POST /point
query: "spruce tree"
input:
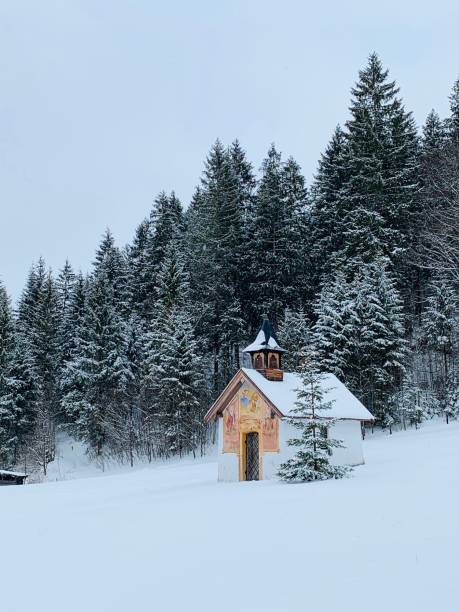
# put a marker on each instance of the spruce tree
(326, 217)
(439, 338)
(315, 447)
(214, 248)
(174, 384)
(38, 337)
(453, 120)
(378, 199)
(359, 334)
(140, 284)
(332, 330)
(277, 243)
(7, 348)
(99, 372)
(111, 263)
(433, 135)
(295, 336)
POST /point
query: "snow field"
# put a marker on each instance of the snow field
(171, 538)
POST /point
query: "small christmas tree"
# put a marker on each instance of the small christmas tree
(312, 461)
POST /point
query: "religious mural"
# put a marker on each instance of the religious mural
(231, 427)
(249, 412)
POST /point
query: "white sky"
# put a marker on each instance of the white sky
(105, 103)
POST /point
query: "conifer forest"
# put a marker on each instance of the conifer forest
(361, 267)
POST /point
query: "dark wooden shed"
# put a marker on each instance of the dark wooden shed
(12, 478)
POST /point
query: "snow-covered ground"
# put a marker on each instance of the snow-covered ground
(171, 538)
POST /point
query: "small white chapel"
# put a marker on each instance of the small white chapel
(252, 411)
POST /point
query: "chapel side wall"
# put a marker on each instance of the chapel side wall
(350, 433)
(228, 463)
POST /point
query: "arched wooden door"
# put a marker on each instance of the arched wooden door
(252, 460)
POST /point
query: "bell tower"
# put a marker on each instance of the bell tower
(265, 352)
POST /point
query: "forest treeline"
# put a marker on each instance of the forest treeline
(361, 266)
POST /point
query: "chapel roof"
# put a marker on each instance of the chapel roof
(282, 396)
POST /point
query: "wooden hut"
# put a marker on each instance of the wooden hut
(12, 478)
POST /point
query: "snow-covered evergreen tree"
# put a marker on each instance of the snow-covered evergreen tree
(215, 247)
(332, 331)
(359, 334)
(174, 384)
(379, 196)
(433, 135)
(453, 120)
(326, 217)
(38, 337)
(314, 444)
(278, 238)
(439, 330)
(99, 373)
(7, 348)
(140, 284)
(295, 336)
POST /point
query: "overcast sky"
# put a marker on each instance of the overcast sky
(105, 103)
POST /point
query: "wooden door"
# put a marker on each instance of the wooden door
(252, 461)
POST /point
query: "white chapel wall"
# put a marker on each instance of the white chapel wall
(228, 463)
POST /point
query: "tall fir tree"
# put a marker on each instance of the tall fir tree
(312, 461)
(378, 199)
(215, 248)
(295, 337)
(326, 217)
(277, 243)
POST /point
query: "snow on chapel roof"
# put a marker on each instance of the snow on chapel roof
(265, 340)
(283, 395)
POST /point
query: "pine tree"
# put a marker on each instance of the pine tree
(433, 135)
(140, 284)
(38, 337)
(277, 243)
(112, 264)
(379, 349)
(145, 256)
(359, 334)
(18, 408)
(172, 280)
(7, 347)
(295, 336)
(453, 120)
(326, 217)
(246, 184)
(438, 336)
(215, 248)
(64, 290)
(378, 199)
(332, 330)
(315, 447)
(167, 225)
(174, 385)
(99, 373)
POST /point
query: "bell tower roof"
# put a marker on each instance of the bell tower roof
(266, 339)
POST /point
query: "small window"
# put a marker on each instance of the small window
(273, 361)
(258, 362)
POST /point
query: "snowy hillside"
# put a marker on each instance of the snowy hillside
(172, 538)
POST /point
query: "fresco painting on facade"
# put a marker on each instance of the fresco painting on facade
(231, 427)
(270, 432)
(249, 412)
